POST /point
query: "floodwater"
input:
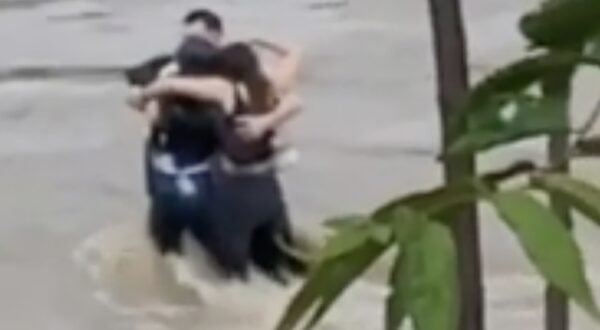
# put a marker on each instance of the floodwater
(73, 253)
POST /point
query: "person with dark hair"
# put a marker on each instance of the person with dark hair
(239, 62)
(202, 36)
(207, 21)
(234, 205)
(181, 140)
(249, 207)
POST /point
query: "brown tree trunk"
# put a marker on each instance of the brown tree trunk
(452, 84)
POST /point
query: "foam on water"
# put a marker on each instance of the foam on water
(157, 293)
(131, 279)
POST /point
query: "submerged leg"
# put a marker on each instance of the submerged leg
(265, 253)
(165, 231)
(228, 249)
(270, 253)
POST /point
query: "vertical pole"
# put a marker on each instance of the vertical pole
(557, 86)
(452, 84)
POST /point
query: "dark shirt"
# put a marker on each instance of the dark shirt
(238, 150)
(187, 128)
(196, 56)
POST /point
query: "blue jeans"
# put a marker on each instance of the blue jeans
(173, 210)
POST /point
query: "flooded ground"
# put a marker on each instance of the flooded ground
(73, 254)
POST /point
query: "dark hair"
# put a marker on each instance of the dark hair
(212, 21)
(240, 64)
(144, 73)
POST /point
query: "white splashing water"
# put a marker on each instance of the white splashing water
(133, 280)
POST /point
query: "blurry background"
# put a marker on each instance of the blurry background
(72, 248)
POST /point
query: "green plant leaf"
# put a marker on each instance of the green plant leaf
(481, 122)
(327, 283)
(340, 222)
(343, 272)
(345, 240)
(515, 77)
(331, 276)
(437, 200)
(523, 117)
(548, 244)
(351, 236)
(395, 311)
(581, 195)
(424, 278)
(430, 202)
(562, 23)
(308, 296)
(593, 46)
(434, 284)
(380, 233)
(407, 225)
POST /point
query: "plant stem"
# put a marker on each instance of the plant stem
(558, 85)
(588, 125)
(452, 85)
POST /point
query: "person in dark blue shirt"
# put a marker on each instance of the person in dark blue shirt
(237, 211)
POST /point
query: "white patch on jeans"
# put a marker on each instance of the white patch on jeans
(186, 185)
(165, 163)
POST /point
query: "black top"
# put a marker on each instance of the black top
(238, 150)
(193, 130)
(196, 56)
(187, 128)
(189, 134)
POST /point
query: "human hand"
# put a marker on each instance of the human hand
(151, 113)
(135, 98)
(252, 127)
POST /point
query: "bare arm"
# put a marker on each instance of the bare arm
(285, 74)
(144, 74)
(202, 89)
(288, 108)
(252, 127)
(152, 108)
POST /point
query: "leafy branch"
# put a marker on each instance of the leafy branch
(510, 105)
(425, 262)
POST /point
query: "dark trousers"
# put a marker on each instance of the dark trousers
(237, 219)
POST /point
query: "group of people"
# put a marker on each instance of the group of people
(215, 111)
